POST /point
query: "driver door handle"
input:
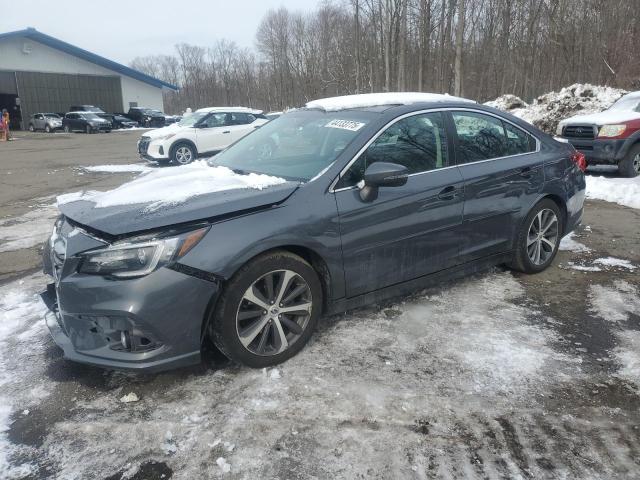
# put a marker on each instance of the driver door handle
(447, 193)
(227, 131)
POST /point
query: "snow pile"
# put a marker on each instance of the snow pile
(131, 168)
(546, 111)
(628, 356)
(28, 230)
(170, 186)
(614, 304)
(623, 191)
(333, 104)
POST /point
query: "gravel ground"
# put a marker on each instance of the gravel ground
(500, 375)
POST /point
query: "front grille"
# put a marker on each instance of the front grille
(579, 131)
(143, 145)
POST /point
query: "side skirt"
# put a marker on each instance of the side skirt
(404, 288)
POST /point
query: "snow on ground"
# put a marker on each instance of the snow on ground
(620, 303)
(422, 364)
(28, 230)
(169, 186)
(22, 338)
(373, 99)
(568, 243)
(130, 168)
(614, 303)
(546, 111)
(623, 191)
(615, 262)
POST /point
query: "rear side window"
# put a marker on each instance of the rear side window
(518, 141)
(417, 142)
(480, 137)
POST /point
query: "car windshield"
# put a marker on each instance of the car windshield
(191, 119)
(52, 115)
(296, 146)
(89, 116)
(627, 104)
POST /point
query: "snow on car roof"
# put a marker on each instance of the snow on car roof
(229, 109)
(378, 99)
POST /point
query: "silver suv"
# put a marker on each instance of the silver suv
(45, 121)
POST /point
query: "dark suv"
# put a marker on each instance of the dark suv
(88, 122)
(357, 199)
(146, 117)
(611, 137)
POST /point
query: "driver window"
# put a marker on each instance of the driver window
(417, 142)
(480, 137)
(215, 120)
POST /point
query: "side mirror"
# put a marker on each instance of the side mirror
(382, 174)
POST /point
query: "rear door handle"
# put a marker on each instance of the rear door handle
(447, 193)
(227, 131)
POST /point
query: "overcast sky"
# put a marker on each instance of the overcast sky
(124, 29)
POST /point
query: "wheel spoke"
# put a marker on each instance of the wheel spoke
(249, 334)
(551, 244)
(531, 240)
(263, 338)
(268, 281)
(284, 284)
(551, 220)
(247, 314)
(299, 290)
(291, 325)
(301, 309)
(254, 296)
(538, 248)
(282, 338)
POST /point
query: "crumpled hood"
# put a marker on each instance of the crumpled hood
(172, 196)
(608, 117)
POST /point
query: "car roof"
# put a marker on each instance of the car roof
(367, 100)
(230, 110)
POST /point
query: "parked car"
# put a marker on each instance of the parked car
(146, 117)
(85, 108)
(204, 132)
(88, 122)
(120, 121)
(273, 115)
(48, 122)
(367, 197)
(611, 137)
(168, 119)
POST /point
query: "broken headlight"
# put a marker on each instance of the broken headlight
(139, 256)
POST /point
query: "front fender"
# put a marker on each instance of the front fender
(628, 143)
(298, 223)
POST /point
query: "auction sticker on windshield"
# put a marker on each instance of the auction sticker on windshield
(345, 125)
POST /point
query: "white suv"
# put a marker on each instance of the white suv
(205, 131)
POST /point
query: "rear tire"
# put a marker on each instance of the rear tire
(32, 128)
(629, 166)
(67, 129)
(47, 128)
(246, 334)
(538, 238)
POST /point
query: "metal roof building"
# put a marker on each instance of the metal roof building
(39, 73)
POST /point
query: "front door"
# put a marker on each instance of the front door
(214, 134)
(408, 231)
(502, 174)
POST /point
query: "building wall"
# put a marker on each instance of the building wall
(46, 59)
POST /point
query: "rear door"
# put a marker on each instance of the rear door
(502, 176)
(408, 231)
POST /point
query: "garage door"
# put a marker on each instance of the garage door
(55, 92)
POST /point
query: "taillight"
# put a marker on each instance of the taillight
(580, 160)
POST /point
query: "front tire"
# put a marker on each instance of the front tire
(629, 166)
(268, 310)
(538, 239)
(88, 129)
(67, 129)
(47, 128)
(183, 154)
(32, 128)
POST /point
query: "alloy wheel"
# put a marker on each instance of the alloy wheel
(184, 155)
(274, 312)
(636, 163)
(542, 236)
